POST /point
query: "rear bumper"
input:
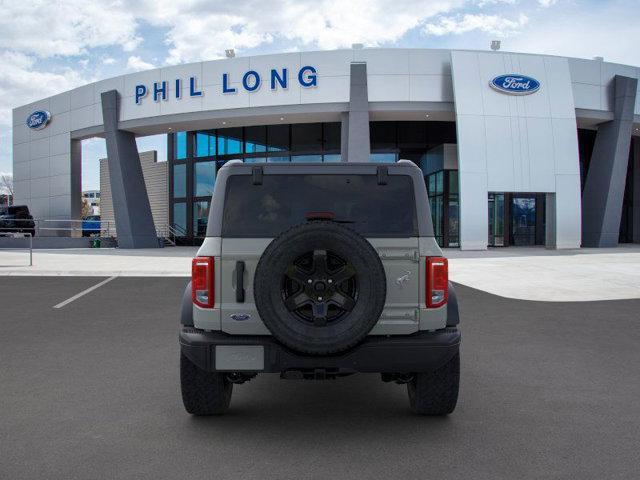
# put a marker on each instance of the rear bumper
(419, 352)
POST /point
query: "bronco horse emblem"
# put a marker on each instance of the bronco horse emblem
(400, 281)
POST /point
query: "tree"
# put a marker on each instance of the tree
(6, 183)
(86, 208)
(6, 186)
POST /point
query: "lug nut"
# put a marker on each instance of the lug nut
(320, 299)
(330, 281)
(309, 281)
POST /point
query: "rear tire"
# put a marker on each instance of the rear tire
(203, 393)
(436, 393)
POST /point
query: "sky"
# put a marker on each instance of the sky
(48, 47)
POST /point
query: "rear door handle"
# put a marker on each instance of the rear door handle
(240, 281)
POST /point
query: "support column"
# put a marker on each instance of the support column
(357, 141)
(550, 228)
(131, 208)
(636, 190)
(604, 186)
(344, 136)
(76, 183)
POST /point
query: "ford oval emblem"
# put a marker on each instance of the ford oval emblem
(38, 119)
(515, 84)
(240, 317)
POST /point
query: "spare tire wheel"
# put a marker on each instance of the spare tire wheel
(320, 287)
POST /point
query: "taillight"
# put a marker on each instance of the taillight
(437, 281)
(202, 287)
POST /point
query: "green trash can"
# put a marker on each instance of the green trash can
(95, 243)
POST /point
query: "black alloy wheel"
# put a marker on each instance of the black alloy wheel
(320, 287)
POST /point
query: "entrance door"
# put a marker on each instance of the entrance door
(523, 220)
(496, 220)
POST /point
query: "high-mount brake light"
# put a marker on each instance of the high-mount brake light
(437, 281)
(202, 286)
(320, 215)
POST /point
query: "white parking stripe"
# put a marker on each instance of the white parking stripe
(84, 292)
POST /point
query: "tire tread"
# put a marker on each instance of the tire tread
(203, 393)
(436, 393)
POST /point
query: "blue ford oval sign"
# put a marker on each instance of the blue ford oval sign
(38, 119)
(515, 84)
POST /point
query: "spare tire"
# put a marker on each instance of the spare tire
(320, 287)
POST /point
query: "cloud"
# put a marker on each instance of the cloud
(67, 28)
(108, 61)
(135, 63)
(214, 26)
(21, 83)
(587, 37)
(491, 24)
(547, 3)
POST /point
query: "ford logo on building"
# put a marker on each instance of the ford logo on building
(515, 84)
(38, 119)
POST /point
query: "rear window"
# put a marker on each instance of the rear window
(282, 201)
(20, 210)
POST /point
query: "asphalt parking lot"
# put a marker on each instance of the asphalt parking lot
(90, 390)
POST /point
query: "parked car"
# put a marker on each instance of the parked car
(17, 219)
(319, 271)
(91, 225)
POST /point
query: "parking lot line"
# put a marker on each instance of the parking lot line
(84, 292)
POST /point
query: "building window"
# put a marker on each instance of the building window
(306, 137)
(332, 157)
(180, 180)
(200, 218)
(180, 146)
(383, 135)
(278, 138)
(306, 158)
(282, 159)
(255, 139)
(435, 189)
(496, 220)
(453, 209)
(331, 136)
(205, 144)
(383, 157)
(180, 216)
(204, 177)
(442, 187)
(230, 141)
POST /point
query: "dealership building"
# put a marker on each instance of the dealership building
(516, 149)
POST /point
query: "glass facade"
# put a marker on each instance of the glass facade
(441, 177)
(196, 156)
(204, 177)
(442, 187)
(179, 180)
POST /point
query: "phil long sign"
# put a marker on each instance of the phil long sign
(515, 84)
(250, 81)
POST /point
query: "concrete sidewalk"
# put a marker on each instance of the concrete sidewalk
(550, 275)
(154, 262)
(520, 273)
